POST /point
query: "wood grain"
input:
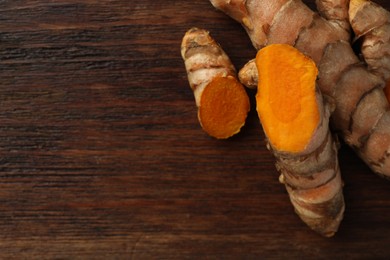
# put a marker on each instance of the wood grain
(102, 156)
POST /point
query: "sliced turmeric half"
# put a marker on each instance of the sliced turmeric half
(223, 108)
(287, 103)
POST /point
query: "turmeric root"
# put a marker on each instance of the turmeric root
(222, 101)
(354, 89)
(296, 123)
(371, 25)
(248, 75)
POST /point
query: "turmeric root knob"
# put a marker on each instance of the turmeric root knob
(286, 99)
(222, 101)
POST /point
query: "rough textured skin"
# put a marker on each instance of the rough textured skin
(313, 181)
(204, 59)
(341, 74)
(335, 11)
(371, 24)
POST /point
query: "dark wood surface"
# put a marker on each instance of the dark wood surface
(102, 156)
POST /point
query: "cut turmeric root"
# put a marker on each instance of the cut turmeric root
(295, 121)
(222, 101)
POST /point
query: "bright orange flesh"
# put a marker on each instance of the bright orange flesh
(224, 105)
(286, 97)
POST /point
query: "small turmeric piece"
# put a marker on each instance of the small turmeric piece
(295, 120)
(222, 101)
(248, 75)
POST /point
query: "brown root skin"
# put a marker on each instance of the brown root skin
(335, 11)
(365, 16)
(221, 99)
(288, 102)
(371, 24)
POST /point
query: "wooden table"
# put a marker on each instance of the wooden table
(102, 156)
